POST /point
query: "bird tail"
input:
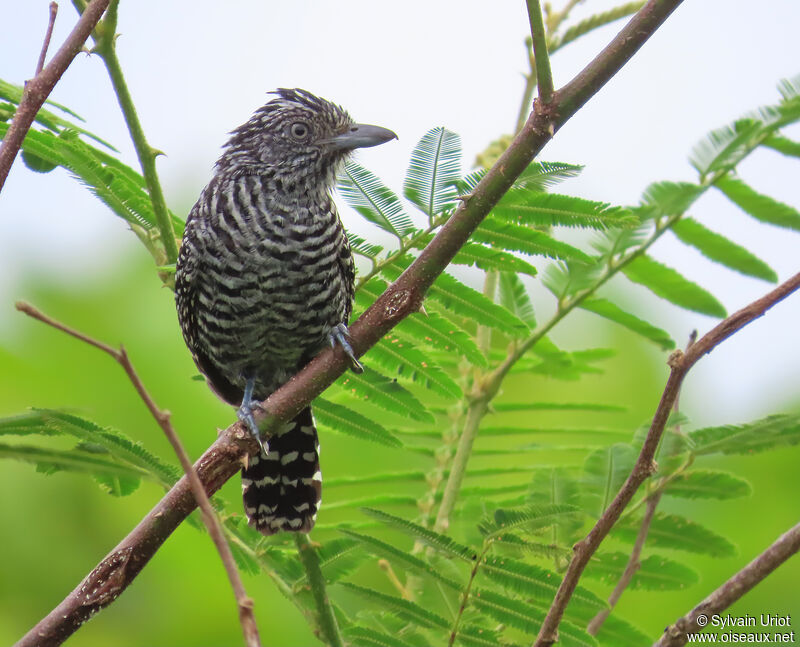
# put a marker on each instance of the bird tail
(282, 487)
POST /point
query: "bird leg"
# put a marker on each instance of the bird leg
(245, 412)
(340, 335)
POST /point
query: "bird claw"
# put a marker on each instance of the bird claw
(245, 413)
(340, 335)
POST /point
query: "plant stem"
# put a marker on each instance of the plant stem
(477, 409)
(105, 40)
(540, 55)
(326, 620)
(467, 590)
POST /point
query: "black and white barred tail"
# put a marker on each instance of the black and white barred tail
(282, 488)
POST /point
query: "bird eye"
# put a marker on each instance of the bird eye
(299, 130)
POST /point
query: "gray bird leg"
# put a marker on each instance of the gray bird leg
(340, 335)
(245, 412)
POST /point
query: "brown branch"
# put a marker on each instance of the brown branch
(782, 549)
(47, 36)
(401, 299)
(680, 363)
(245, 604)
(39, 88)
(634, 562)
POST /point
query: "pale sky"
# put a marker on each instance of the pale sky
(197, 69)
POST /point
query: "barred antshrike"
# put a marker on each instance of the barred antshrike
(265, 279)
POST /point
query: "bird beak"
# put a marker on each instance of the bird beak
(360, 136)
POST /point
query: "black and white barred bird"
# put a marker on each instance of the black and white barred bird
(265, 280)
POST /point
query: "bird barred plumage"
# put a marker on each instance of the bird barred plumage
(265, 279)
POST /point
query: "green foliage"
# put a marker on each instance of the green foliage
(491, 569)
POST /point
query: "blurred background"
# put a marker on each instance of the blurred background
(197, 70)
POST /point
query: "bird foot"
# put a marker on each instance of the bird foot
(340, 335)
(245, 413)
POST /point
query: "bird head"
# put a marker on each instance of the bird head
(298, 137)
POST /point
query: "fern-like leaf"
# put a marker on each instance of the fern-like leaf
(655, 573)
(669, 284)
(531, 517)
(514, 297)
(404, 608)
(721, 250)
(708, 484)
(613, 312)
(376, 202)
(677, 533)
(604, 472)
(767, 433)
(385, 393)
(593, 22)
(433, 172)
(435, 540)
(518, 238)
(345, 420)
(539, 209)
(759, 206)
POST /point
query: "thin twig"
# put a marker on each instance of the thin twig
(680, 364)
(245, 604)
(326, 620)
(401, 299)
(539, 39)
(105, 45)
(47, 36)
(467, 590)
(634, 562)
(39, 88)
(782, 549)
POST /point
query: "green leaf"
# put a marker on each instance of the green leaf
(540, 176)
(613, 312)
(475, 636)
(593, 22)
(518, 238)
(485, 258)
(604, 472)
(403, 557)
(431, 329)
(376, 202)
(49, 461)
(523, 616)
(403, 608)
(361, 247)
(616, 631)
(433, 539)
(671, 198)
(338, 558)
(539, 209)
(345, 420)
(708, 484)
(556, 486)
(567, 279)
(118, 485)
(530, 517)
(669, 284)
(655, 573)
(768, 433)
(531, 581)
(783, 145)
(379, 500)
(111, 441)
(514, 297)
(367, 637)
(678, 533)
(761, 207)
(383, 392)
(461, 300)
(725, 147)
(433, 171)
(721, 250)
(399, 357)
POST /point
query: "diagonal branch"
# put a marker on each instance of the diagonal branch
(402, 298)
(245, 604)
(680, 363)
(39, 88)
(782, 549)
